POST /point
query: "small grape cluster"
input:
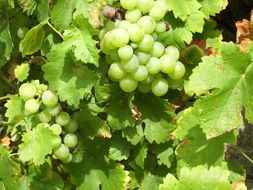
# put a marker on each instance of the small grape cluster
(43, 104)
(137, 58)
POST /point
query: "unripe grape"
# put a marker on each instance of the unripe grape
(119, 37)
(173, 51)
(158, 49)
(160, 87)
(147, 23)
(178, 72)
(62, 118)
(133, 15)
(49, 98)
(115, 56)
(158, 11)
(124, 24)
(146, 44)
(128, 84)
(32, 106)
(167, 63)
(145, 5)
(140, 74)
(161, 27)
(128, 4)
(77, 157)
(68, 159)
(70, 140)
(135, 32)
(153, 66)
(56, 128)
(44, 116)
(62, 152)
(131, 65)
(71, 127)
(22, 31)
(143, 58)
(27, 91)
(109, 12)
(116, 72)
(125, 52)
(54, 110)
(56, 142)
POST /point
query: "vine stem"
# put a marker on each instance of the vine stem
(246, 156)
(54, 29)
(4, 97)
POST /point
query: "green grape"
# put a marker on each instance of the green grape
(144, 88)
(128, 4)
(161, 27)
(143, 58)
(175, 84)
(154, 36)
(157, 12)
(70, 140)
(135, 32)
(159, 87)
(131, 65)
(44, 117)
(116, 72)
(134, 45)
(125, 52)
(56, 142)
(104, 48)
(62, 152)
(22, 31)
(71, 127)
(32, 106)
(153, 66)
(124, 24)
(147, 23)
(146, 44)
(68, 159)
(119, 37)
(77, 157)
(56, 128)
(108, 41)
(54, 110)
(62, 118)
(158, 49)
(49, 98)
(101, 34)
(140, 74)
(114, 55)
(128, 84)
(133, 15)
(145, 5)
(167, 63)
(27, 91)
(173, 51)
(178, 72)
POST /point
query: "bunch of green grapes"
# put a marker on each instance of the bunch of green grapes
(44, 105)
(137, 58)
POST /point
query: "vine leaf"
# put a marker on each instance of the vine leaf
(37, 144)
(14, 107)
(200, 176)
(210, 8)
(22, 71)
(228, 77)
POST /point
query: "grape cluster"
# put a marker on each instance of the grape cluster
(137, 58)
(44, 105)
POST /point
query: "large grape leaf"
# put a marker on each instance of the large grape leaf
(196, 178)
(194, 148)
(15, 107)
(180, 8)
(150, 182)
(210, 8)
(36, 145)
(228, 77)
(157, 117)
(95, 172)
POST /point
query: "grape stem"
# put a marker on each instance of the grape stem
(54, 29)
(4, 98)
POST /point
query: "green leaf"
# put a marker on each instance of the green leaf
(150, 182)
(195, 149)
(195, 22)
(14, 107)
(6, 44)
(200, 176)
(134, 135)
(180, 8)
(69, 78)
(119, 149)
(36, 145)
(28, 6)
(210, 8)
(157, 117)
(22, 71)
(229, 77)
(140, 154)
(165, 154)
(42, 10)
(33, 39)
(62, 6)
(94, 172)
